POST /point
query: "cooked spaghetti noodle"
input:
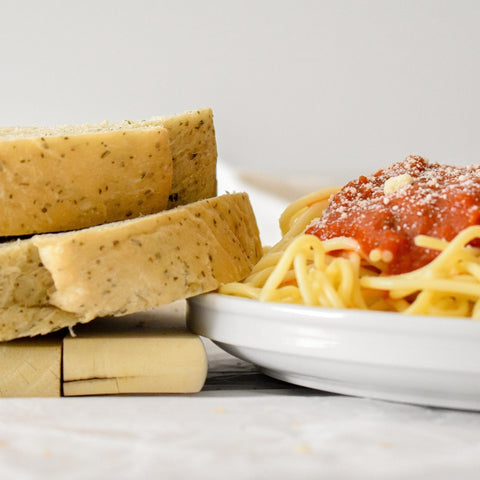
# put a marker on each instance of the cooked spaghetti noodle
(339, 272)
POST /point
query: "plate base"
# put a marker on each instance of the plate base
(383, 382)
(360, 391)
(422, 360)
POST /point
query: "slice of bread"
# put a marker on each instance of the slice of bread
(72, 177)
(127, 266)
(67, 178)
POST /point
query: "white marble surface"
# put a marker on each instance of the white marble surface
(241, 426)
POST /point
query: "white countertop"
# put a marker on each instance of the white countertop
(242, 425)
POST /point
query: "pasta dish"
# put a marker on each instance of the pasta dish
(405, 239)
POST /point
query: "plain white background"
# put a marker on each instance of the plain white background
(327, 89)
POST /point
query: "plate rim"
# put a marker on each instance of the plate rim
(343, 317)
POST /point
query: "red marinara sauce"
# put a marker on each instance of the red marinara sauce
(422, 198)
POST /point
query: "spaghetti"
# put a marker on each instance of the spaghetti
(313, 265)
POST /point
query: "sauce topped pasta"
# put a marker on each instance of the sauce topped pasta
(386, 211)
(406, 239)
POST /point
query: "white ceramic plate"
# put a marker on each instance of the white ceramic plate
(415, 359)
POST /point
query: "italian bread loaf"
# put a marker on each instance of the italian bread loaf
(72, 177)
(55, 280)
(67, 178)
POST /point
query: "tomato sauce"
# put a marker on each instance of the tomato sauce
(388, 209)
